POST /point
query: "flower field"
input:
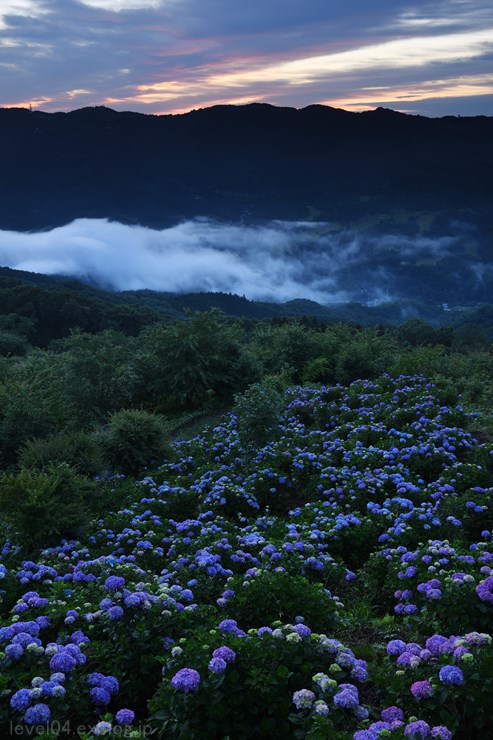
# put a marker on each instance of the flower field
(334, 582)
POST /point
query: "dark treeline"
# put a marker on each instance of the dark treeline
(36, 310)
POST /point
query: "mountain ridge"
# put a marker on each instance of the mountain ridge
(241, 163)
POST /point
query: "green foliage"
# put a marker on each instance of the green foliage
(44, 506)
(31, 402)
(78, 449)
(132, 439)
(12, 344)
(257, 411)
(97, 378)
(268, 596)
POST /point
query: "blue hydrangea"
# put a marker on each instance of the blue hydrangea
(346, 698)
(451, 675)
(38, 714)
(100, 697)
(110, 684)
(217, 665)
(21, 700)
(113, 583)
(63, 662)
(14, 652)
(124, 717)
(115, 612)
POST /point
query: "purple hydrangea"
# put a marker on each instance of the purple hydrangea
(94, 679)
(110, 684)
(229, 625)
(187, 679)
(377, 727)
(392, 714)
(438, 644)
(6, 634)
(422, 689)
(485, 590)
(441, 732)
(420, 728)
(225, 653)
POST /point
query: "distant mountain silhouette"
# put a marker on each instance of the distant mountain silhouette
(245, 164)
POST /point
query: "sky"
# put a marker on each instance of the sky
(428, 57)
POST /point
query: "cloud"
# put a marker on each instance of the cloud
(161, 56)
(277, 261)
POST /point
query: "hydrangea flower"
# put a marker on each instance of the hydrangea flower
(451, 675)
(38, 714)
(441, 732)
(100, 697)
(303, 699)
(102, 728)
(421, 689)
(347, 697)
(420, 728)
(114, 583)
(392, 714)
(21, 700)
(217, 665)
(225, 653)
(124, 717)
(63, 662)
(485, 590)
(186, 680)
(396, 647)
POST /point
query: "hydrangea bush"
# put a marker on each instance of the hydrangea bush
(333, 580)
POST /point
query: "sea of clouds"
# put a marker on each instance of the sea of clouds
(276, 261)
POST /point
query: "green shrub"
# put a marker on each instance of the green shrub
(132, 439)
(257, 411)
(266, 597)
(44, 506)
(78, 449)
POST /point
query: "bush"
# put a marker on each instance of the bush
(132, 439)
(266, 597)
(78, 449)
(257, 412)
(44, 506)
